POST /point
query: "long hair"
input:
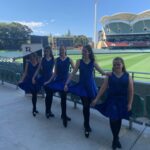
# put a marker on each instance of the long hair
(49, 48)
(122, 61)
(91, 54)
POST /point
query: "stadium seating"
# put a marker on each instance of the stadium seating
(138, 27)
(148, 106)
(137, 110)
(147, 24)
(10, 72)
(118, 27)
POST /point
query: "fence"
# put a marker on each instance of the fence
(11, 72)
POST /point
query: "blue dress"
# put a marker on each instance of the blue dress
(115, 105)
(86, 87)
(62, 68)
(46, 72)
(27, 85)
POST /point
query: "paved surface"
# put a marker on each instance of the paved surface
(19, 130)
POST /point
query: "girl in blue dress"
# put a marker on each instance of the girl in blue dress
(118, 104)
(86, 87)
(26, 81)
(57, 81)
(46, 68)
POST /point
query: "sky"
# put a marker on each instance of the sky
(56, 17)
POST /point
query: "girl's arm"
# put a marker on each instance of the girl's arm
(53, 75)
(98, 68)
(101, 91)
(130, 93)
(37, 71)
(72, 63)
(25, 73)
(72, 74)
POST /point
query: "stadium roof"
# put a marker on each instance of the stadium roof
(126, 17)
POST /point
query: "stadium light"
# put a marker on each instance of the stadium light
(95, 23)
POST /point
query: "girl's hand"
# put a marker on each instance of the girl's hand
(20, 81)
(94, 102)
(108, 74)
(129, 107)
(33, 81)
(66, 88)
(46, 82)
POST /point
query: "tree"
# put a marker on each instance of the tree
(80, 40)
(13, 35)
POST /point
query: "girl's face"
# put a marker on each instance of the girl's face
(33, 58)
(117, 65)
(85, 52)
(62, 52)
(47, 52)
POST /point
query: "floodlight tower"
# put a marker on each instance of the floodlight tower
(95, 23)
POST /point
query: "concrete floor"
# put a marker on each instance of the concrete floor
(19, 130)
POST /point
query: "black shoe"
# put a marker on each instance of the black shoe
(47, 115)
(86, 132)
(88, 128)
(118, 144)
(34, 113)
(114, 146)
(65, 122)
(68, 118)
(51, 115)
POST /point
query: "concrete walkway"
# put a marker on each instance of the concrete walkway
(19, 130)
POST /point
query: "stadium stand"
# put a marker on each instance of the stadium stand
(133, 29)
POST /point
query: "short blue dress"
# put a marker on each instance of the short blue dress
(27, 85)
(86, 87)
(46, 71)
(115, 105)
(62, 68)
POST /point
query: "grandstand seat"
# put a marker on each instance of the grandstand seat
(113, 28)
(10, 72)
(137, 107)
(138, 27)
(137, 110)
(148, 106)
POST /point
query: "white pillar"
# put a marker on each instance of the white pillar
(95, 23)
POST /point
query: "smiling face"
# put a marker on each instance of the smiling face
(118, 65)
(62, 51)
(85, 53)
(47, 52)
(33, 57)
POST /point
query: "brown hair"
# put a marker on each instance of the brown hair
(122, 61)
(49, 48)
(91, 54)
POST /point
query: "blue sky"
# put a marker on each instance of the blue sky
(59, 16)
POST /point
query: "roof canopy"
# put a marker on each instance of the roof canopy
(128, 17)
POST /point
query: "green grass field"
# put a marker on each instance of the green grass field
(135, 62)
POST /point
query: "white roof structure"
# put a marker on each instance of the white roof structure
(127, 23)
(129, 17)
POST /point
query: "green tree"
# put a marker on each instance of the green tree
(13, 35)
(80, 40)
